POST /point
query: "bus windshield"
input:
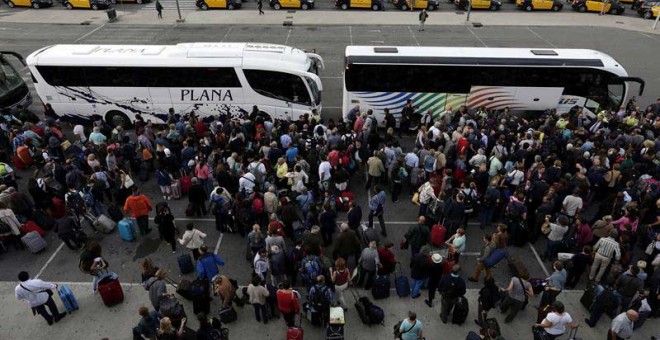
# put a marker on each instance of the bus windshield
(315, 90)
(9, 78)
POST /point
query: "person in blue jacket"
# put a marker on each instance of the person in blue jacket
(207, 264)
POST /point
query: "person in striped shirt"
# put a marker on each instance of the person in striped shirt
(604, 249)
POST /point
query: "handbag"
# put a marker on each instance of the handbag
(415, 198)
(526, 296)
(545, 228)
(128, 181)
(649, 248)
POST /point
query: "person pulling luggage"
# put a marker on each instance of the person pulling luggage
(39, 294)
(451, 288)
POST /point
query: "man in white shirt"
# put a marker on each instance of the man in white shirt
(79, 131)
(246, 182)
(572, 204)
(411, 160)
(324, 174)
(36, 293)
(622, 325)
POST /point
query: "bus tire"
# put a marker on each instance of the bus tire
(277, 6)
(582, 8)
(117, 118)
(231, 7)
(648, 15)
(36, 5)
(556, 8)
(95, 7)
(529, 8)
(404, 7)
(494, 7)
(11, 4)
(344, 6)
(204, 6)
(68, 5)
(304, 6)
(375, 7)
(139, 2)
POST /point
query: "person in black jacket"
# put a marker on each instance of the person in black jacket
(579, 266)
(451, 288)
(435, 271)
(197, 197)
(354, 216)
(489, 295)
(419, 273)
(70, 232)
(166, 227)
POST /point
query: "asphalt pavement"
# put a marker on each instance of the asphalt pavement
(633, 48)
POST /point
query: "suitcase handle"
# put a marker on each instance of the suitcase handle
(572, 335)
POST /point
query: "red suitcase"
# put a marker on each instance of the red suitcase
(110, 291)
(31, 226)
(58, 209)
(186, 182)
(294, 333)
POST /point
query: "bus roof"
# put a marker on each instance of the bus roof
(485, 56)
(246, 55)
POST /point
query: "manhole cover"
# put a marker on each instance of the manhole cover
(477, 24)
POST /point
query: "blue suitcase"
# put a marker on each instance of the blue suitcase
(381, 287)
(185, 264)
(495, 257)
(67, 297)
(127, 229)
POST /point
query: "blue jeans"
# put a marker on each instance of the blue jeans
(551, 249)
(486, 216)
(416, 287)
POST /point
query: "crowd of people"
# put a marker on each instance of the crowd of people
(281, 184)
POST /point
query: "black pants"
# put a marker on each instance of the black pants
(72, 241)
(289, 319)
(372, 180)
(574, 277)
(54, 313)
(143, 224)
(396, 190)
(433, 287)
(326, 235)
(199, 209)
(381, 220)
(367, 278)
(260, 312)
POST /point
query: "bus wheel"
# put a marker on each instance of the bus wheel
(529, 8)
(277, 6)
(494, 7)
(648, 15)
(11, 4)
(95, 7)
(404, 7)
(204, 6)
(35, 5)
(139, 2)
(375, 7)
(556, 8)
(344, 6)
(582, 8)
(304, 7)
(68, 5)
(231, 7)
(117, 118)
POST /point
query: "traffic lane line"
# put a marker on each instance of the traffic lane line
(52, 257)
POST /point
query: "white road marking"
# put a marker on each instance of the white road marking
(413, 35)
(49, 260)
(350, 33)
(287, 37)
(89, 33)
(217, 245)
(542, 38)
(226, 34)
(476, 36)
(545, 270)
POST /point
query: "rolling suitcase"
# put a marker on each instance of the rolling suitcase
(381, 287)
(68, 299)
(334, 332)
(295, 333)
(361, 308)
(461, 310)
(34, 242)
(127, 229)
(401, 283)
(43, 220)
(175, 187)
(110, 291)
(227, 314)
(587, 298)
(201, 304)
(58, 209)
(115, 213)
(185, 264)
(105, 224)
(31, 226)
(518, 268)
(542, 312)
(184, 288)
(185, 182)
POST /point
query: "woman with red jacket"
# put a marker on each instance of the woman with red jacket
(288, 302)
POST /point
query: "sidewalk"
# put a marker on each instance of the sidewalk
(320, 18)
(94, 321)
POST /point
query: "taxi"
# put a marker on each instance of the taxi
(88, 4)
(611, 7)
(301, 4)
(649, 10)
(530, 5)
(29, 3)
(404, 5)
(224, 4)
(493, 5)
(125, 1)
(375, 5)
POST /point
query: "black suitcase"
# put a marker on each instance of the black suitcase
(185, 264)
(461, 310)
(587, 298)
(361, 308)
(184, 288)
(334, 332)
(381, 287)
(227, 315)
(518, 268)
(115, 213)
(43, 220)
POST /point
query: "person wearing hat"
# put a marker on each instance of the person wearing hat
(435, 271)
(39, 294)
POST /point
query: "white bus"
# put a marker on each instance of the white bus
(119, 81)
(522, 79)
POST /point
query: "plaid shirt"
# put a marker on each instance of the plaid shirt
(17, 141)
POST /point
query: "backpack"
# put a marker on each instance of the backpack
(451, 291)
(319, 298)
(376, 315)
(469, 202)
(491, 197)
(311, 268)
(75, 203)
(437, 236)
(258, 205)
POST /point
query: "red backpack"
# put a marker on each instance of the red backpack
(258, 205)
